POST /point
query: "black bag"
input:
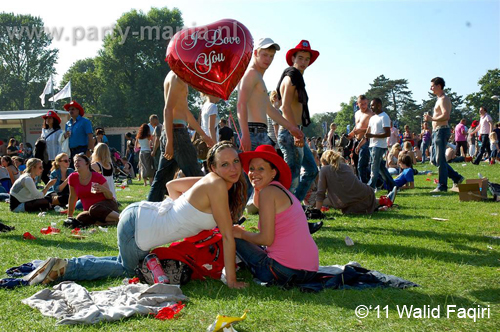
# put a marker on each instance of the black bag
(73, 223)
(312, 213)
(495, 191)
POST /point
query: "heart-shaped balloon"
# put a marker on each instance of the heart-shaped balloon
(211, 58)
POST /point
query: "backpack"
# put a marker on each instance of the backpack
(40, 150)
(198, 256)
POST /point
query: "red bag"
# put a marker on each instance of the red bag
(203, 253)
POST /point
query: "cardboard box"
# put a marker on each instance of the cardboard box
(473, 190)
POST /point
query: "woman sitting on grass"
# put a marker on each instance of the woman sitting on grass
(101, 163)
(60, 172)
(345, 191)
(200, 203)
(11, 168)
(91, 188)
(24, 196)
(291, 255)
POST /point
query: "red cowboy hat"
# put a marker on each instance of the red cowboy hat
(75, 105)
(268, 153)
(302, 46)
(52, 114)
(474, 123)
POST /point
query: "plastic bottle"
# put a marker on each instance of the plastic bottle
(58, 209)
(154, 265)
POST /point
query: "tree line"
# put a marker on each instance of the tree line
(125, 79)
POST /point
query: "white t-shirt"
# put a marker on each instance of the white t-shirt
(376, 126)
(53, 146)
(207, 110)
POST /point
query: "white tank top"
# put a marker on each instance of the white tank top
(159, 223)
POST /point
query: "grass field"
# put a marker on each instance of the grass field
(456, 262)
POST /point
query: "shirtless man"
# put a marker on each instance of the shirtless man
(176, 147)
(292, 91)
(441, 132)
(253, 102)
(362, 160)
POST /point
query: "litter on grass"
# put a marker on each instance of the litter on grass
(225, 324)
(440, 219)
(348, 241)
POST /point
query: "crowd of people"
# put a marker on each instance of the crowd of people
(275, 166)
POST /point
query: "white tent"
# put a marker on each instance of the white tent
(30, 121)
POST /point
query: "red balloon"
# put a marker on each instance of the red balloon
(211, 58)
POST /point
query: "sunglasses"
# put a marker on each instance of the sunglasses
(64, 161)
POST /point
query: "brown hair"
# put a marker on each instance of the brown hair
(55, 163)
(237, 194)
(144, 131)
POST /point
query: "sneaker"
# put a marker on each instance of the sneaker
(459, 181)
(437, 190)
(392, 194)
(314, 226)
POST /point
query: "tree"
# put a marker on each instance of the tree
(86, 86)
(394, 94)
(132, 68)
(345, 117)
(26, 59)
(489, 86)
(316, 127)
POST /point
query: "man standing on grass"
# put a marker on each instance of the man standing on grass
(461, 138)
(292, 91)
(362, 151)
(379, 128)
(485, 127)
(176, 147)
(441, 132)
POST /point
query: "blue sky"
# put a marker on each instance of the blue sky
(358, 40)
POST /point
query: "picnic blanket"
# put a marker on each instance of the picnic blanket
(71, 303)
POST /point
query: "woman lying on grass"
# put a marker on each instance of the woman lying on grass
(291, 255)
(198, 204)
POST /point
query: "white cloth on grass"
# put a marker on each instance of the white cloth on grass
(71, 303)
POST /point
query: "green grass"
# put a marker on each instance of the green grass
(455, 262)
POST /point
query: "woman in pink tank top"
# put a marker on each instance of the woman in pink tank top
(283, 251)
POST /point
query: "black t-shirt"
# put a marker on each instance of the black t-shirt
(226, 134)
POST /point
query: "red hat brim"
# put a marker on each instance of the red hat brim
(76, 105)
(291, 53)
(285, 177)
(52, 115)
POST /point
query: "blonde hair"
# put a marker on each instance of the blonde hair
(332, 158)
(57, 161)
(395, 147)
(493, 136)
(30, 164)
(407, 146)
(273, 96)
(101, 154)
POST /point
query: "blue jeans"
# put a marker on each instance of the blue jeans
(379, 169)
(485, 147)
(296, 158)
(439, 141)
(423, 148)
(364, 163)
(185, 158)
(123, 265)
(267, 269)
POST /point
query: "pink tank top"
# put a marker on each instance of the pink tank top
(293, 245)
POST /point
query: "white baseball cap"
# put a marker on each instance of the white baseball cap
(266, 43)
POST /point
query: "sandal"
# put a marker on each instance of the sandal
(40, 272)
(59, 265)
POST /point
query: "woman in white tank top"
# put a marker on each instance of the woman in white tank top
(195, 204)
(101, 163)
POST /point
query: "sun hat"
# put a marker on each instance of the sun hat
(268, 153)
(52, 114)
(474, 123)
(75, 105)
(303, 46)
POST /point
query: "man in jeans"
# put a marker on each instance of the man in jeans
(175, 144)
(441, 132)
(379, 128)
(485, 127)
(361, 152)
